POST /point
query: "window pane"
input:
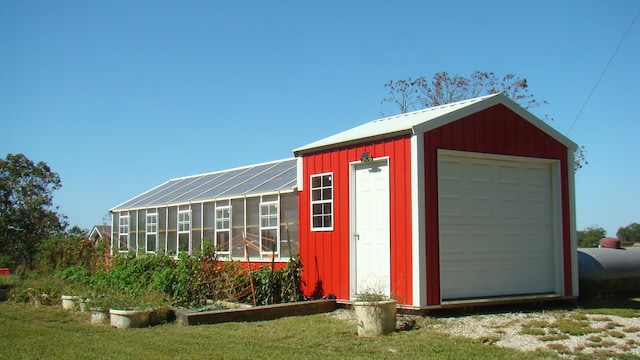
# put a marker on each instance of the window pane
(151, 243)
(124, 242)
(269, 240)
(326, 194)
(326, 180)
(183, 242)
(222, 241)
(326, 208)
(316, 181)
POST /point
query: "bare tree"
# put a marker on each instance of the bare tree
(421, 93)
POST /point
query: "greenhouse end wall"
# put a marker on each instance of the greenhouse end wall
(264, 227)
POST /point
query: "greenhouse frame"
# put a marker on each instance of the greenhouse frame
(247, 213)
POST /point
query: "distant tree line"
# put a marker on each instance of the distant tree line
(590, 237)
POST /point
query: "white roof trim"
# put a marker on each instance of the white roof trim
(421, 121)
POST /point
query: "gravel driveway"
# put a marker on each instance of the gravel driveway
(568, 333)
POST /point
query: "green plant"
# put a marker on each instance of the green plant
(278, 286)
(74, 273)
(59, 252)
(372, 295)
(45, 290)
(191, 282)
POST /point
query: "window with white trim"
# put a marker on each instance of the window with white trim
(123, 232)
(184, 230)
(322, 202)
(223, 229)
(152, 232)
(269, 227)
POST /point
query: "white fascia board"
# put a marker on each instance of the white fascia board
(300, 174)
(418, 245)
(572, 222)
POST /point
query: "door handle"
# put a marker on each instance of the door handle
(357, 236)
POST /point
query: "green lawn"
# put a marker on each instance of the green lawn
(27, 332)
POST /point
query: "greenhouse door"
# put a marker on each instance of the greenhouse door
(370, 228)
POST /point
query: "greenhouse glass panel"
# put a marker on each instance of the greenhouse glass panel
(269, 227)
(289, 225)
(253, 226)
(123, 232)
(184, 230)
(282, 182)
(237, 228)
(183, 242)
(223, 229)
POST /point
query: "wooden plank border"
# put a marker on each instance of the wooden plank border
(256, 313)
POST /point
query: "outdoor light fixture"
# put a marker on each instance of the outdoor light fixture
(365, 157)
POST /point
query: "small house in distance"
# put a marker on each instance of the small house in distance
(466, 201)
(469, 202)
(100, 233)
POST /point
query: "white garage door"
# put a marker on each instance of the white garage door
(496, 227)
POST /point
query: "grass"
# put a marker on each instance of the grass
(618, 306)
(48, 332)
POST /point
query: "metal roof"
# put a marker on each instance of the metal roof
(253, 180)
(421, 121)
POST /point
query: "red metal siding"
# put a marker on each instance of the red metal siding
(325, 254)
(496, 130)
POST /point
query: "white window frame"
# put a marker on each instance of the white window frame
(220, 221)
(322, 201)
(149, 226)
(182, 223)
(269, 216)
(123, 231)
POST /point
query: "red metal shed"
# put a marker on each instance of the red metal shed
(467, 201)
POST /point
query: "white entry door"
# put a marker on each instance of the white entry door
(370, 226)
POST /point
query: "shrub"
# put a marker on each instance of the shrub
(59, 252)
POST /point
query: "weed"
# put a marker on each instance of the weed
(601, 343)
(599, 354)
(574, 327)
(560, 348)
(615, 334)
(489, 340)
(538, 323)
(612, 325)
(595, 338)
(632, 329)
(554, 337)
(533, 331)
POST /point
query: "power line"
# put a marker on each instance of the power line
(603, 71)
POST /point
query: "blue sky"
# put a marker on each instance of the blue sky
(120, 96)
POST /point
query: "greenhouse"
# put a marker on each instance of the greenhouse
(244, 213)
